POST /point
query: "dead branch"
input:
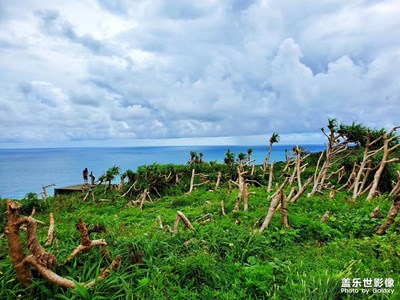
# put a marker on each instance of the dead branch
(325, 217)
(202, 218)
(396, 188)
(45, 196)
(223, 208)
(86, 242)
(271, 177)
(218, 180)
(180, 216)
(160, 224)
(50, 233)
(387, 150)
(114, 266)
(192, 184)
(303, 189)
(242, 189)
(130, 188)
(394, 210)
(376, 213)
(332, 194)
(272, 209)
(38, 257)
(16, 251)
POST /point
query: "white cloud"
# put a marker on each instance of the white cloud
(122, 70)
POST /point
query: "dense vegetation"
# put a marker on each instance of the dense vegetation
(225, 258)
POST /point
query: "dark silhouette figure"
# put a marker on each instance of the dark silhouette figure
(92, 178)
(85, 176)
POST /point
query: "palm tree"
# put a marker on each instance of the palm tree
(201, 157)
(273, 139)
(249, 152)
(109, 175)
(241, 157)
(193, 157)
(229, 157)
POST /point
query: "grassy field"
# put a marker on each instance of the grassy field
(220, 259)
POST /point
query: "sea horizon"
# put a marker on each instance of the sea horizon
(26, 170)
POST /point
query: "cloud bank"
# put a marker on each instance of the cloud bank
(129, 71)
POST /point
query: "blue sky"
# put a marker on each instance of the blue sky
(119, 72)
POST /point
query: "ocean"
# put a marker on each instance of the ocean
(26, 170)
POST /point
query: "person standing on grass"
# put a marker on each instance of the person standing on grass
(85, 176)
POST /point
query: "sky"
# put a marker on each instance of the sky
(175, 72)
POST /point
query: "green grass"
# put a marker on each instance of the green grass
(218, 260)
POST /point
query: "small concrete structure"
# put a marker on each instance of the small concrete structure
(78, 188)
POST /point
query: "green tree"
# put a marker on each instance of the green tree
(110, 175)
(249, 152)
(229, 157)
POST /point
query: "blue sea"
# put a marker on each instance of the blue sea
(27, 170)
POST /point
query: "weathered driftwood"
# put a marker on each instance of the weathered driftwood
(394, 210)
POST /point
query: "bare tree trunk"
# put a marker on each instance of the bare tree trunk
(192, 182)
(387, 150)
(272, 209)
(218, 180)
(21, 266)
(303, 189)
(394, 209)
(396, 190)
(284, 211)
(241, 186)
(271, 177)
(246, 197)
(38, 257)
